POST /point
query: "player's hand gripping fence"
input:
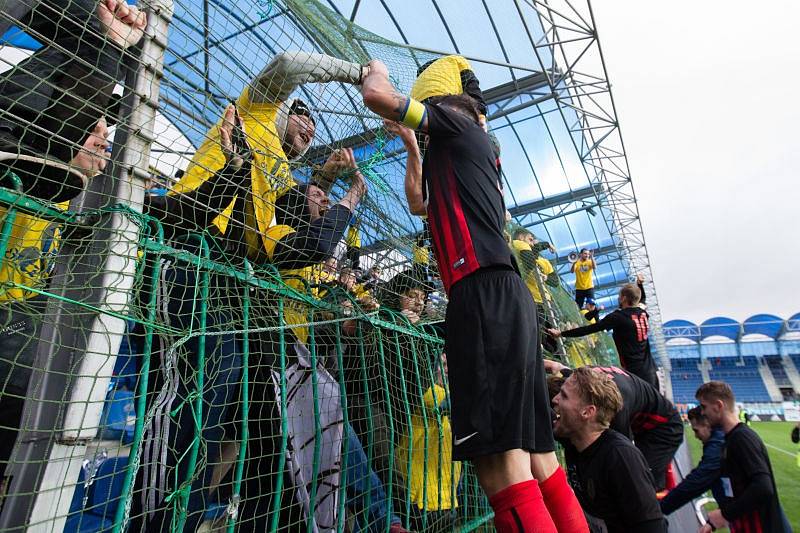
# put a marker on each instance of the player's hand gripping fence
(181, 353)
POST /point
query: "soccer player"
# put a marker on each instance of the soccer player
(646, 417)
(583, 268)
(750, 500)
(496, 374)
(706, 475)
(630, 325)
(609, 474)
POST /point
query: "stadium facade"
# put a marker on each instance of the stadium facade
(758, 357)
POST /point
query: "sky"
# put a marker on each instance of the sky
(706, 96)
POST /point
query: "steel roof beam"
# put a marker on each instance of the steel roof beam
(590, 191)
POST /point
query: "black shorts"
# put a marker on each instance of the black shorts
(498, 389)
(658, 445)
(582, 294)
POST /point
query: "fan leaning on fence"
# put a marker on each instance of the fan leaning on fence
(53, 137)
(231, 188)
(50, 101)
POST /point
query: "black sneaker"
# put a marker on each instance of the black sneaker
(42, 177)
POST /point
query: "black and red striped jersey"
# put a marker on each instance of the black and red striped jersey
(465, 205)
(630, 328)
(643, 407)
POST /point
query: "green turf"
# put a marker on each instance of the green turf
(784, 466)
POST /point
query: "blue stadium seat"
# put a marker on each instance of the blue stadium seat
(742, 375)
(686, 378)
(775, 364)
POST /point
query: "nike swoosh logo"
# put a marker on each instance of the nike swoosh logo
(456, 442)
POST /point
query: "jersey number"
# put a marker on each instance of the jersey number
(642, 326)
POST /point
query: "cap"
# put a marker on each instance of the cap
(299, 107)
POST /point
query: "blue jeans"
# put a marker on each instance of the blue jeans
(172, 391)
(361, 480)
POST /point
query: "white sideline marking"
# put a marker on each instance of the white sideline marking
(790, 454)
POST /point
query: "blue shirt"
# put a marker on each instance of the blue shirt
(702, 478)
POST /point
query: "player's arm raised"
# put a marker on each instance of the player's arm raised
(413, 178)
(381, 97)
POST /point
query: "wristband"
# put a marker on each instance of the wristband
(413, 114)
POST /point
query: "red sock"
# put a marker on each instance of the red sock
(669, 478)
(520, 509)
(562, 504)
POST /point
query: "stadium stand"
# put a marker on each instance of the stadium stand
(722, 349)
(686, 378)
(743, 377)
(775, 365)
(102, 347)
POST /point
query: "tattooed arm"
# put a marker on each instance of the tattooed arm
(382, 98)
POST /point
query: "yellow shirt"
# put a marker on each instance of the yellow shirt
(583, 275)
(441, 471)
(353, 237)
(543, 268)
(270, 174)
(421, 255)
(32, 246)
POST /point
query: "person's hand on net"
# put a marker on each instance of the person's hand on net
(368, 303)
(340, 161)
(553, 367)
(123, 24)
(92, 157)
(639, 277)
(406, 134)
(715, 521)
(553, 332)
(412, 316)
(377, 67)
(231, 138)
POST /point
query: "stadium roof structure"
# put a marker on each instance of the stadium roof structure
(540, 65)
(763, 325)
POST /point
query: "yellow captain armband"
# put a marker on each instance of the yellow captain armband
(413, 114)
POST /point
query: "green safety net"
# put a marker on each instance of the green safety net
(196, 382)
